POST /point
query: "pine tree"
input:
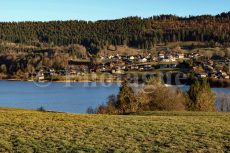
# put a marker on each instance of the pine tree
(127, 102)
(201, 96)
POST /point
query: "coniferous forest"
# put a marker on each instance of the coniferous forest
(132, 31)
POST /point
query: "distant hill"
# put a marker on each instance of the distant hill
(134, 32)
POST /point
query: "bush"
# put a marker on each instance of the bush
(41, 109)
(90, 110)
(109, 108)
(157, 97)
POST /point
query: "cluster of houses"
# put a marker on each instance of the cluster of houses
(170, 56)
(161, 56)
(119, 64)
(210, 69)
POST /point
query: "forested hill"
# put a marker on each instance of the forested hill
(133, 31)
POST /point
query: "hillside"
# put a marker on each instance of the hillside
(32, 131)
(134, 32)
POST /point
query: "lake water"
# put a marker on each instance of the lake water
(216, 90)
(61, 97)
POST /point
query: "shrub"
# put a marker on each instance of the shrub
(41, 109)
(90, 110)
(158, 97)
(109, 108)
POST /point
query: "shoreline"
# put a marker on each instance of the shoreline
(89, 81)
(62, 81)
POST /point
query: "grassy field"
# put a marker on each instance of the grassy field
(32, 131)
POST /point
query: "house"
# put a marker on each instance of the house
(111, 57)
(221, 73)
(117, 70)
(133, 67)
(132, 58)
(73, 72)
(166, 60)
(180, 56)
(154, 58)
(201, 75)
(149, 56)
(41, 75)
(141, 68)
(190, 56)
(51, 72)
(143, 60)
(161, 55)
(148, 67)
(171, 58)
(102, 57)
(123, 67)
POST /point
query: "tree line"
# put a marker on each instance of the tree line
(156, 97)
(135, 32)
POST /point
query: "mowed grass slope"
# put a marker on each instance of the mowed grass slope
(32, 131)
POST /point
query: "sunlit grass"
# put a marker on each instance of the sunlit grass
(32, 131)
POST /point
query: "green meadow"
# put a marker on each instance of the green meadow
(34, 131)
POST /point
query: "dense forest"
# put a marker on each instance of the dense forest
(132, 31)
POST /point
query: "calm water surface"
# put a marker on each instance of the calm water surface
(70, 97)
(216, 90)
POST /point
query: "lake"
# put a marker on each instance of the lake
(216, 90)
(61, 97)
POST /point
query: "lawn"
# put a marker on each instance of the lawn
(33, 131)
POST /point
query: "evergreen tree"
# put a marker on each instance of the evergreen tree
(201, 96)
(127, 102)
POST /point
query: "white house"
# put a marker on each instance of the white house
(131, 57)
(111, 57)
(161, 56)
(180, 56)
(202, 75)
(143, 60)
(41, 76)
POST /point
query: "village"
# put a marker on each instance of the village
(188, 63)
